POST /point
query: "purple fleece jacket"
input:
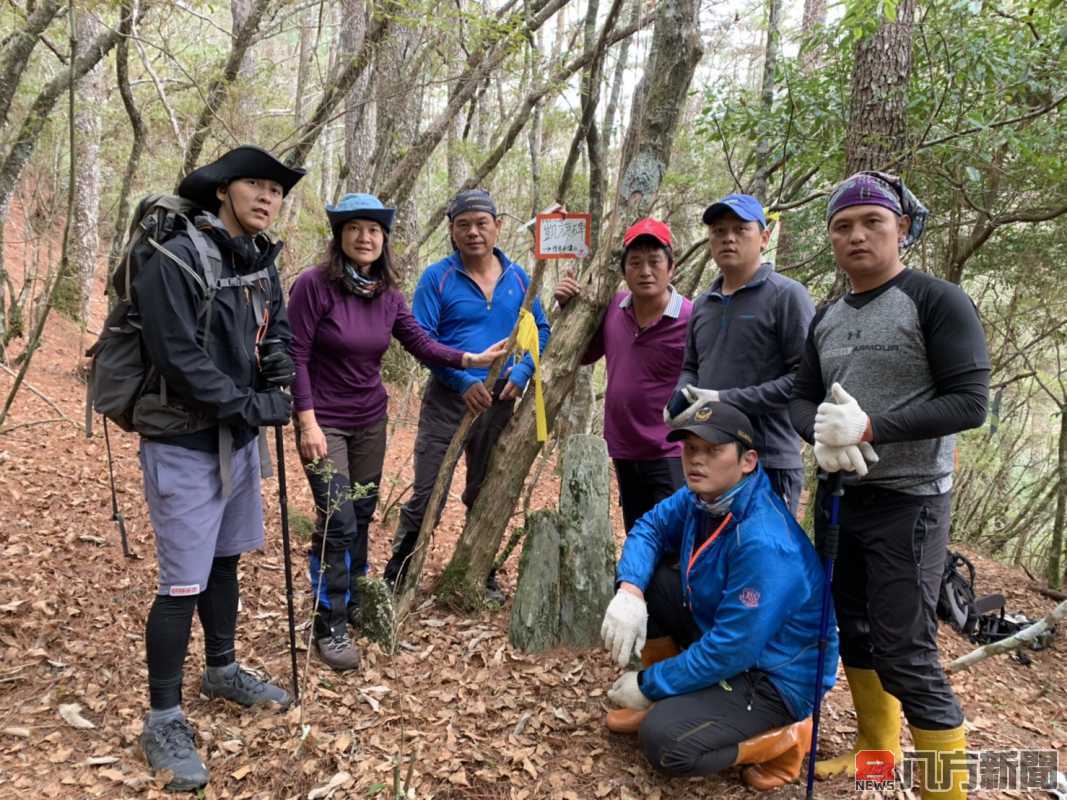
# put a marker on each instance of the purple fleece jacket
(337, 348)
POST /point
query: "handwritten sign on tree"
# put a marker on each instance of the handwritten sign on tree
(562, 235)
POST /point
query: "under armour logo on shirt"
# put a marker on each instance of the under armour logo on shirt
(854, 334)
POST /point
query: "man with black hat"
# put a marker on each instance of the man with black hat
(720, 596)
(642, 338)
(198, 422)
(746, 337)
(891, 372)
(467, 301)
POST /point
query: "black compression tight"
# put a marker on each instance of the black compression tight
(169, 623)
(217, 607)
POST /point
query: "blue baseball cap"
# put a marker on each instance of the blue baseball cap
(745, 206)
(360, 206)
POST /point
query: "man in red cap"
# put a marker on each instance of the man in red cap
(643, 338)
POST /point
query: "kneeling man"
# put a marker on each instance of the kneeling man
(727, 588)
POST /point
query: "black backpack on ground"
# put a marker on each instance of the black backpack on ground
(983, 620)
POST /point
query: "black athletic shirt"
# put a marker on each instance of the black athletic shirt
(913, 354)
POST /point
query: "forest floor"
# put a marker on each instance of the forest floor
(476, 718)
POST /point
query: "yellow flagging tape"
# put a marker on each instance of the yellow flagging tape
(527, 340)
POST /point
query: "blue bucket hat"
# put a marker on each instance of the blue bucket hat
(744, 206)
(360, 206)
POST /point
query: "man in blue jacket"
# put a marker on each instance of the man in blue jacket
(727, 588)
(472, 296)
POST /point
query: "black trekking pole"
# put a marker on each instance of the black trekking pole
(827, 547)
(283, 502)
(116, 515)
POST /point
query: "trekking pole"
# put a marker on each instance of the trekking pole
(283, 502)
(116, 515)
(827, 546)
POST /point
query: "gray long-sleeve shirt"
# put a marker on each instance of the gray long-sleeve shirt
(748, 345)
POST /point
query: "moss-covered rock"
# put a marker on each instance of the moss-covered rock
(534, 623)
(377, 620)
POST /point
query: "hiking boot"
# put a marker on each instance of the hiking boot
(243, 687)
(493, 592)
(171, 746)
(338, 651)
(353, 615)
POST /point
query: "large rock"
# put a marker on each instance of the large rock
(567, 570)
(587, 547)
(534, 623)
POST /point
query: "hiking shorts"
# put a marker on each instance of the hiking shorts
(193, 521)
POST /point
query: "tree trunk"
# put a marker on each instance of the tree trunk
(814, 17)
(25, 141)
(17, 51)
(1054, 572)
(673, 57)
(243, 120)
(73, 294)
(359, 102)
(616, 80)
(877, 114)
(347, 76)
(534, 622)
(122, 73)
(519, 120)
(243, 38)
(489, 55)
(770, 62)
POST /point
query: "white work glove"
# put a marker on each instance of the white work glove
(841, 422)
(627, 694)
(853, 458)
(623, 629)
(696, 397)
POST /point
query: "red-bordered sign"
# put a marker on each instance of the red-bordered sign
(562, 234)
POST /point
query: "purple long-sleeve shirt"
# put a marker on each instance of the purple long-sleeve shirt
(337, 348)
(643, 366)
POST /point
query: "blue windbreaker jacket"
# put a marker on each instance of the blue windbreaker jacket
(450, 306)
(755, 592)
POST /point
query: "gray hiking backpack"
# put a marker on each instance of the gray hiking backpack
(121, 379)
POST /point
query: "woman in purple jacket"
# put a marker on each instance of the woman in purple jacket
(343, 313)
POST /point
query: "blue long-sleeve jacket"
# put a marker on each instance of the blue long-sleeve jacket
(450, 306)
(755, 592)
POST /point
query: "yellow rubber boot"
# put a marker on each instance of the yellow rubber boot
(950, 787)
(877, 723)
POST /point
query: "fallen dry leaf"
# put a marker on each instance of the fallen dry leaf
(71, 714)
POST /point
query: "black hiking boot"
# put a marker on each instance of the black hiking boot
(171, 746)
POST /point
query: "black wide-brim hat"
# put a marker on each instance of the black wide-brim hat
(246, 161)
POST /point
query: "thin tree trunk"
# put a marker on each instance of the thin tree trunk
(617, 79)
(25, 141)
(333, 95)
(1020, 639)
(243, 38)
(122, 74)
(17, 51)
(401, 180)
(73, 296)
(519, 119)
(673, 57)
(770, 63)
(359, 145)
(1054, 572)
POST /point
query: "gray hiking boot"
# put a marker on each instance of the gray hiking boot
(338, 651)
(243, 687)
(171, 746)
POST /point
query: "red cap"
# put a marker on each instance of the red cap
(660, 231)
